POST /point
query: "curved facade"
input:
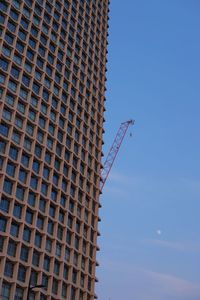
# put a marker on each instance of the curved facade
(52, 85)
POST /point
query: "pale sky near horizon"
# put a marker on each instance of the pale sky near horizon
(150, 228)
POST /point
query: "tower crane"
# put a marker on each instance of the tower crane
(113, 151)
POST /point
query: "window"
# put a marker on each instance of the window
(34, 183)
(48, 157)
(2, 147)
(44, 188)
(10, 100)
(2, 78)
(3, 6)
(25, 160)
(50, 227)
(4, 64)
(24, 253)
(20, 48)
(48, 245)
(65, 272)
(4, 129)
(17, 211)
(14, 230)
(6, 287)
(18, 122)
(38, 151)
(21, 273)
(45, 281)
(21, 107)
(12, 247)
(29, 130)
(3, 223)
(55, 286)
(6, 51)
(29, 217)
(7, 187)
(38, 240)
(20, 193)
(36, 258)
(42, 205)
(25, 80)
(46, 265)
(40, 222)
(15, 72)
(24, 23)
(22, 34)
(27, 234)
(16, 137)
(34, 278)
(9, 38)
(58, 249)
(8, 270)
(22, 175)
(10, 170)
(4, 205)
(30, 55)
(27, 67)
(19, 293)
(7, 114)
(28, 142)
(31, 199)
(13, 153)
(42, 122)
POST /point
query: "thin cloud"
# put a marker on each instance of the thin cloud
(173, 245)
(174, 285)
(147, 284)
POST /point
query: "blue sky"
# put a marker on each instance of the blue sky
(150, 242)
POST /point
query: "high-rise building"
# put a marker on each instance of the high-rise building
(52, 84)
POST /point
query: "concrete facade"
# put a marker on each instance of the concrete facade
(52, 85)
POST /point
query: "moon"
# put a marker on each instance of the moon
(159, 231)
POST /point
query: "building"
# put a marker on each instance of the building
(52, 84)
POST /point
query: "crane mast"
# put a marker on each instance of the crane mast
(113, 152)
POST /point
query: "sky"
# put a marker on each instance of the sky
(150, 215)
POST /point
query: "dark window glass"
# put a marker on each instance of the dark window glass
(24, 253)
(9, 39)
(14, 229)
(22, 34)
(25, 160)
(13, 153)
(27, 234)
(20, 193)
(10, 170)
(21, 276)
(3, 223)
(15, 72)
(30, 54)
(17, 211)
(12, 247)
(31, 199)
(38, 151)
(7, 187)
(4, 129)
(3, 64)
(36, 258)
(4, 204)
(42, 205)
(9, 267)
(29, 217)
(20, 47)
(38, 240)
(24, 23)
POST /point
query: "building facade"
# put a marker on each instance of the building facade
(52, 85)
